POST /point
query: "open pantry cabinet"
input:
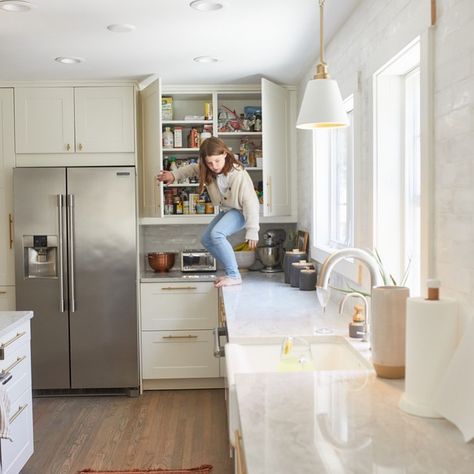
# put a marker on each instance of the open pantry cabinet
(255, 121)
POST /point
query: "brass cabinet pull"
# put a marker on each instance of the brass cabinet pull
(12, 366)
(166, 288)
(80, 147)
(241, 468)
(10, 226)
(189, 336)
(68, 147)
(269, 194)
(21, 409)
(3, 292)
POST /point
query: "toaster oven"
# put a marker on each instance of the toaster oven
(199, 260)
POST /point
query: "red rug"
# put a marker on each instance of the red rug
(204, 469)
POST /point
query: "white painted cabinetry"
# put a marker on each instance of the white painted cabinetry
(275, 141)
(15, 362)
(7, 163)
(177, 340)
(73, 121)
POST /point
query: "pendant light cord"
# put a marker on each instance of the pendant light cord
(321, 30)
(321, 68)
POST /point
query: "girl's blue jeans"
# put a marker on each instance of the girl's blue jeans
(215, 240)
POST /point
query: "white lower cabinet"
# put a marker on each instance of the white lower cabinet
(178, 354)
(15, 360)
(177, 321)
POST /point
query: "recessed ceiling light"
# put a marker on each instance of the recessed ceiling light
(206, 5)
(69, 60)
(121, 28)
(205, 59)
(16, 6)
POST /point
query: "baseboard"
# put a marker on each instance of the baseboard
(182, 384)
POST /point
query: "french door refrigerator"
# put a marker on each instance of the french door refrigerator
(75, 263)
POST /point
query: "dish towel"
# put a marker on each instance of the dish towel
(4, 414)
(455, 393)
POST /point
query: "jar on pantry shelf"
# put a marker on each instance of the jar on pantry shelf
(209, 208)
(178, 137)
(168, 138)
(204, 136)
(200, 207)
(193, 138)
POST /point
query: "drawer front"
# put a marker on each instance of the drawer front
(15, 454)
(7, 298)
(176, 306)
(178, 354)
(16, 372)
(10, 342)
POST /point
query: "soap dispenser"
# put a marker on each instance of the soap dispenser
(357, 325)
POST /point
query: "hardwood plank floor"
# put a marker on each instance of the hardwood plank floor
(166, 428)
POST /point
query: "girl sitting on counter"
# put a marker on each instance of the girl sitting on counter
(230, 187)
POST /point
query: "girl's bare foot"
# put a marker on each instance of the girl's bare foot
(227, 281)
(219, 278)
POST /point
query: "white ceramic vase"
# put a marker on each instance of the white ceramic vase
(388, 320)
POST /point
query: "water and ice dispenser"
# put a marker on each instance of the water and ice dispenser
(40, 256)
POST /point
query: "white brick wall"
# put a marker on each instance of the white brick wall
(377, 30)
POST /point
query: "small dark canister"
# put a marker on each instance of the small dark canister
(308, 279)
(296, 268)
(290, 257)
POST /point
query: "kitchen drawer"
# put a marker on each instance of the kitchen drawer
(177, 306)
(178, 355)
(7, 298)
(10, 342)
(18, 366)
(15, 454)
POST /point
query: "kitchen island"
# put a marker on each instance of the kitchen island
(333, 422)
(15, 378)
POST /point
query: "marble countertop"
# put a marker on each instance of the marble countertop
(265, 306)
(176, 276)
(331, 422)
(11, 319)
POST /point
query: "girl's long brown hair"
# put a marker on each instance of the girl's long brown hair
(210, 147)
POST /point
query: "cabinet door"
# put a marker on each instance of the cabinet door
(178, 355)
(44, 120)
(276, 167)
(150, 108)
(104, 119)
(178, 306)
(7, 298)
(7, 162)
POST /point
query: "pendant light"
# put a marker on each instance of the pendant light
(322, 105)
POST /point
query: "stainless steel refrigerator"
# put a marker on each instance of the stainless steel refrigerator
(75, 263)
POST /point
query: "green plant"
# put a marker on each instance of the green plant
(387, 278)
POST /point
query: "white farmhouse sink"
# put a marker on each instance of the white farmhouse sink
(262, 355)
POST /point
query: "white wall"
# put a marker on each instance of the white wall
(377, 30)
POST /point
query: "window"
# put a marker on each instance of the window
(397, 177)
(334, 186)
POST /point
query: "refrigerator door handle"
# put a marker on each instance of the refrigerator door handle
(60, 202)
(70, 236)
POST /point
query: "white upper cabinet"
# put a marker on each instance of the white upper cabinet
(44, 119)
(7, 163)
(74, 120)
(104, 119)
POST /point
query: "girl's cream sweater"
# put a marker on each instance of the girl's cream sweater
(240, 195)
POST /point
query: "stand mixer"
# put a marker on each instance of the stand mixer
(271, 252)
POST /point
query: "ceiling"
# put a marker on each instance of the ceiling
(278, 39)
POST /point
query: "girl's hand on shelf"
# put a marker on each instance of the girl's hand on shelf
(165, 177)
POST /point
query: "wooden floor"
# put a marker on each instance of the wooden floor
(167, 429)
